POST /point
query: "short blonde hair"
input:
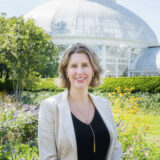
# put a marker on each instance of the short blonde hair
(63, 81)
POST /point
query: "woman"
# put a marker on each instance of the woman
(77, 125)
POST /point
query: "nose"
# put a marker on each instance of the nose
(79, 70)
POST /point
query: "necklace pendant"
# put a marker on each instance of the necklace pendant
(94, 147)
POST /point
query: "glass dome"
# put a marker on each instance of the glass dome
(114, 32)
(98, 19)
(147, 62)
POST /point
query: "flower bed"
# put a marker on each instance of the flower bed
(18, 127)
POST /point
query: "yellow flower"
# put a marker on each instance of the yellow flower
(136, 108)
(120, 94)
(109, 94)
(132, 111)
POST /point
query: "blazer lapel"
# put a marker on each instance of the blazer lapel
(67, 120)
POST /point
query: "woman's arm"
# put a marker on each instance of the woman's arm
(46, 138)
(117, 150)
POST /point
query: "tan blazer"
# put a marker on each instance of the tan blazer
(56, 136)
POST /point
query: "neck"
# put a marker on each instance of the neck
(78, 95)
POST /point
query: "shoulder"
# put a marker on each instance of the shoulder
(51, 102)
(103, 104)
(52, 99)
(101, 99)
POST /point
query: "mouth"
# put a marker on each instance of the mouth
(80, 79)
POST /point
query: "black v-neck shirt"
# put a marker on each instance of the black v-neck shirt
(84, 138)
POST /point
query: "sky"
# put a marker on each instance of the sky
(148, 10)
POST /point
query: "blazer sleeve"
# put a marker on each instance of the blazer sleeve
(46, 129)
(117, 150)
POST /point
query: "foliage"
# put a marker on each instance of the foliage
(140, 84)
(148, 103)
(14, 150)
(36, 97)
(43, 84)
(27, 51)
(18, 121)
(6, 85)
(133, 127)
(18, 129)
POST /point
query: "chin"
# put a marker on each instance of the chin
(80, 87)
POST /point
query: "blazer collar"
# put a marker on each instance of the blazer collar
(67, 118)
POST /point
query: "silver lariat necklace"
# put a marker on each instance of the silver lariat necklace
(94, 138)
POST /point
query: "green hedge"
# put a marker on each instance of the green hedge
(140, 84)
(44, 84)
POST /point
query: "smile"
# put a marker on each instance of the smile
(80, 79)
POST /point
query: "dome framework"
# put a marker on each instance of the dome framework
(147, 63)
(115, 33)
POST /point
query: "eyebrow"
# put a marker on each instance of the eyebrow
(82, 63)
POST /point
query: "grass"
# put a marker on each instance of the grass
(154, 122)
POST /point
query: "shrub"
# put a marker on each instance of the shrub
(14, 150)
(18, 121)
(140, 84)
(132, 127)
(18, 130)
(44, 84)
(6, 85)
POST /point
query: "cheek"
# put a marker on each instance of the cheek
(71, 72)
(89, 71)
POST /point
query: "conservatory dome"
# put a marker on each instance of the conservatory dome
(116, 34)
(82, 20)
(147, 62)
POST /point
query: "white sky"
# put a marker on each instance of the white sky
(148, 10)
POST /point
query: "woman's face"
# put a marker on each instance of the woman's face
(79, 71)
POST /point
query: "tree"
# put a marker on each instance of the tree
(25, 49)
(3, 29)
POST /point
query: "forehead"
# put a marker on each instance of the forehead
(79, 57)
